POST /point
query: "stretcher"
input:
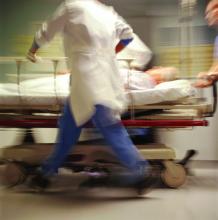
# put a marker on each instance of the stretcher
(20, 161)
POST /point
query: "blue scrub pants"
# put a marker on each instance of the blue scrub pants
(115, 135)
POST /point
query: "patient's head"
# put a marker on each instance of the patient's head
(163, 74)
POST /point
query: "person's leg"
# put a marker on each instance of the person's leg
(67, 137)
(116, 136)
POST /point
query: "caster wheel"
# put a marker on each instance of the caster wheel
(174, 175)
(13, 174)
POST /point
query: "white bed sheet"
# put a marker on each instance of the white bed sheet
(51, 91)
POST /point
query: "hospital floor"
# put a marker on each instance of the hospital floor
(196, 200)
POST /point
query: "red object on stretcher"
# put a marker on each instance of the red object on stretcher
(52, 123)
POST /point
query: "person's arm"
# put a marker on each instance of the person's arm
(48, 30)
(123, 32)
(206, 79)
(212, 74)
(140, 52)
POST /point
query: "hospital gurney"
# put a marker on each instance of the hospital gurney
(20, 160)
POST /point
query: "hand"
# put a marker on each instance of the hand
(206, 79)
(32, 57)
(213, 76)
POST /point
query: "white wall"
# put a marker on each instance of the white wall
(10, 136)
(202, 139)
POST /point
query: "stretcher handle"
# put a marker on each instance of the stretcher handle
(214, 91)
(214, 87)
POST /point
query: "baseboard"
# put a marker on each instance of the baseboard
(207, 164)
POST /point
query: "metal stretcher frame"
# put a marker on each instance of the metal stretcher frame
(171, 116)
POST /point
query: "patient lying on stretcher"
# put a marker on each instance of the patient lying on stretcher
(145, 88)
(153, 86)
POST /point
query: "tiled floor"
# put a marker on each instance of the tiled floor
(196, 200)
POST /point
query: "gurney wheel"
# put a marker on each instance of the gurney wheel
(174, 175)
(14, 174)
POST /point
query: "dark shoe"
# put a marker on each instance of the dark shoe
(38, 181)
(92, 183)
(151, 180)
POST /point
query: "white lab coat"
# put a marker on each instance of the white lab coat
(90, 31)
(136, 50)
